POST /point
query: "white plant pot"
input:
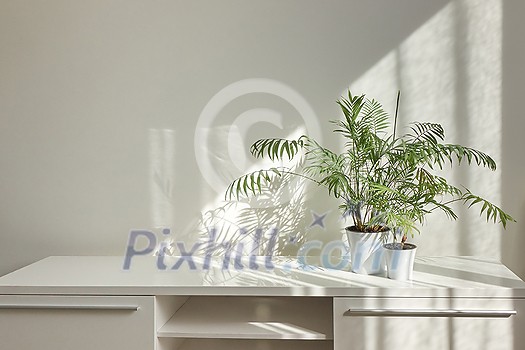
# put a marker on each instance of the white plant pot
(400, 262)
(366, 251)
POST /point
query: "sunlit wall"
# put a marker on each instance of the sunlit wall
(449, 71)
(124, 115)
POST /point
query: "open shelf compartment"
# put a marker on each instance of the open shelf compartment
(296, 318)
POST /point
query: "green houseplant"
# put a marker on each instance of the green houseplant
(383, 180)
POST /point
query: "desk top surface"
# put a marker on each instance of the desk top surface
(105, 275)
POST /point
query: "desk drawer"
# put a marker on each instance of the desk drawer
(76, 322)
(428, 323)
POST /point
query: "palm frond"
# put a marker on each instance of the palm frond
(493, 213)
(374, 117)
(252, 183)
(425, 132)
(275, 148)
(471, 155)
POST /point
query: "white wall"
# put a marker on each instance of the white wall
(513, 142)
(100, 102)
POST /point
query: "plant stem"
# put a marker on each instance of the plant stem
(397, 109)
(284, 171)
(445, 203)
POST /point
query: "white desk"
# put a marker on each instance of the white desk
(92, 303)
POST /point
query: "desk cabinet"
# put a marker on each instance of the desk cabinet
(81, 303)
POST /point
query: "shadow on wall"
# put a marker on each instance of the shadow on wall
(271, 223)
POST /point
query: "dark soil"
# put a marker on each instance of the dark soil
(376, 229)
(397, 246)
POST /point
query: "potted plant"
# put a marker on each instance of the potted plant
(386, 183)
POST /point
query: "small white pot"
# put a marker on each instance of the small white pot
(400, 262)
(366, 251)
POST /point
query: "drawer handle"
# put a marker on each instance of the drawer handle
(68, 307)
(430, 313)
